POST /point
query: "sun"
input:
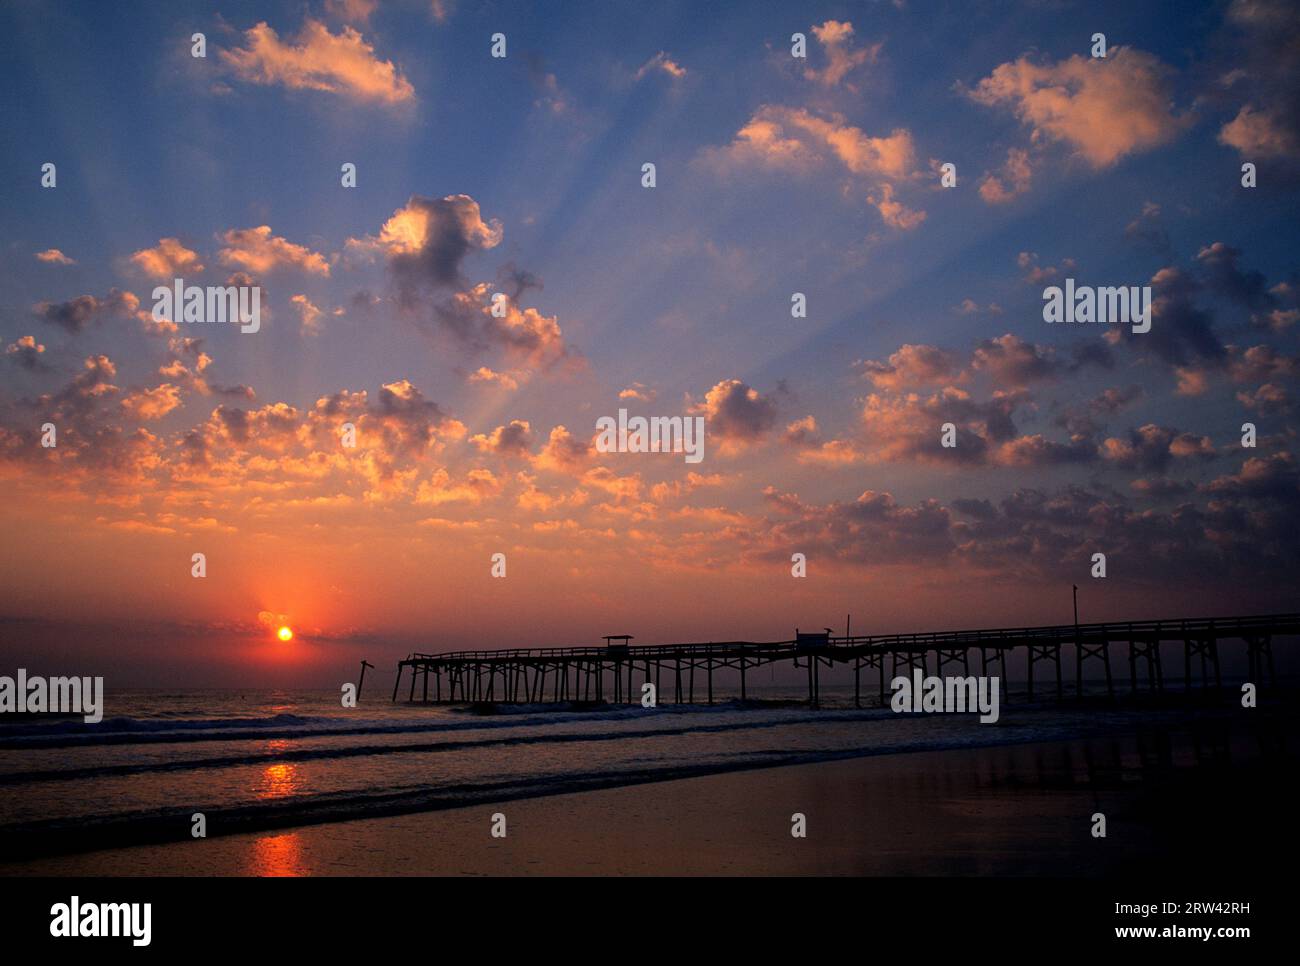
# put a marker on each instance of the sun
(285, 634)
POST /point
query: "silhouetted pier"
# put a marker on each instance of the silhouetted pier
(614, 672)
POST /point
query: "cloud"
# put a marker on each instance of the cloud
(836, 38)
(525, 334)
(52, 256)
(1266, 76)
(802, 434)
(485, 375)
(638, 392)
(257, 250)
(167, 260)
(512, 440)
(908, 427)
(411, 423)
(1103, 108)
(308, 314)
(1181, 333)
(1219, 269)
(563, 452)
(1012, 362)
(797, 141)
(873, 529)
(1152, 448)
(76, 314)
(426, 241)
(894, 213)
(148, 404)
(1013, 180)
(342, 64)
(662, 62)
(26, 352)
(1036, 274)
(1260, 135)
(913, 365)
(351, 11)
(1147, 230)
(736, 414)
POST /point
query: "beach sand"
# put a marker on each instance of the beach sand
(1018, 810)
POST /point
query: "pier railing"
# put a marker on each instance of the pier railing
(471, 674)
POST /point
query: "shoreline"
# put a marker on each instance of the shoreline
(1001, 810)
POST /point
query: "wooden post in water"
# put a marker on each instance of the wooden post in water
(362, 680)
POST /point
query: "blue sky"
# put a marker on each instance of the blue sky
(677, 297)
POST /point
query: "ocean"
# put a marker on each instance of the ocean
(262, 760)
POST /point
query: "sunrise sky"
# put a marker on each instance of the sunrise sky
(522, 175)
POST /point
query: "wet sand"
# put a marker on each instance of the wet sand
(1008, 811)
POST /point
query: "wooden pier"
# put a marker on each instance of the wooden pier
(614, 673)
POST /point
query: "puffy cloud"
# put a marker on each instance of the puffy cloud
(1257, 134)
(168, 259)
(425, 243)
(260, 252)
(563, 452)
(913, 365)
(893, 213)
(737, 414)
(1266, 75)
(76, 314)
(52, 256)
(1013, 362)
(1152, 447)
(638, 392)
(485, 375)
(810, 447)
(1267, 399)
(513, 440)
(526, 334)
(836, 39)
(908, 427)
(874, 528)
(148, 404)
(1272, 477)
(478, 485)
(409, 422)
(26, 352)
(1260, 363)
(426, 240)
(1013, 180)
(1181, 333)
(798, 141)
(342, 63)
(1103, 108)
(795, 138)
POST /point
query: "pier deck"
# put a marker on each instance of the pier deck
(607, 673)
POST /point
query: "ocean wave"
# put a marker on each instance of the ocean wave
(449, 745)
(117, 731)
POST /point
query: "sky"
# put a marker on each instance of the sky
(522, 177)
